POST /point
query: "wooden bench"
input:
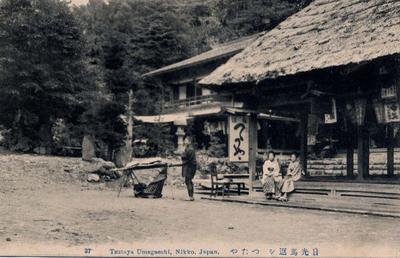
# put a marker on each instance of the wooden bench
(224, 182)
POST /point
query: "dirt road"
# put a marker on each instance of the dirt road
(42, 205)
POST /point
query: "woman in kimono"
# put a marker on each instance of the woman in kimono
(293, 174)
(272, 177)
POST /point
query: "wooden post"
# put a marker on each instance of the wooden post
(130, 116)
(362, 152)
(390, 151)
(123, 154)
(303, 142)
(253, 145)
(366, 152)
(350, 156)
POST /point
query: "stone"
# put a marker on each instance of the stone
(67, 169)
(40, 150)
(94, 167)
(119, 173)
(88, 148)
(123, 155)
(108, 165)
(102, 167)
(101, 170)
(93, 178)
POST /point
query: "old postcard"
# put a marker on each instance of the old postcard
(200, 128)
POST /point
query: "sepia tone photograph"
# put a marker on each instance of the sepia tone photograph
(200, 128)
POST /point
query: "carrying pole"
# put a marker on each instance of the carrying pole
(171, 186)
(122, 184)
(130, 173)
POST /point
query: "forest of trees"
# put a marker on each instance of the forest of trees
(66, 71)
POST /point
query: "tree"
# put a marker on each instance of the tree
(126, 39)
(212, 22)
(244, 17)
(43, 74)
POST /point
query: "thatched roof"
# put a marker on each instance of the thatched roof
(225, 50)
(326, 33)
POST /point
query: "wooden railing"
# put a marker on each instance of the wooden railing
(188, 103)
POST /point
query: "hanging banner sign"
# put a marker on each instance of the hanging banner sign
(392, 112)
(239, 138)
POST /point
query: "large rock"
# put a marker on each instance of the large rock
(93, 178)
(123, 155)
(102, 168)
(40, 150)
(103, 163)
(88, 148)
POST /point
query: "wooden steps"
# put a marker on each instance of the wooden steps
(376, 207)
(337, 166)
(345, 190)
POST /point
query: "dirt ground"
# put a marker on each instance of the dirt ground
(44, 205)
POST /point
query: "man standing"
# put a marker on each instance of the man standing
(189, 166)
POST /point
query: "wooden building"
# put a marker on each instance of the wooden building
(185, 102)
(335, 66)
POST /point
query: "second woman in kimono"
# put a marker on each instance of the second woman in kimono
(293, 174)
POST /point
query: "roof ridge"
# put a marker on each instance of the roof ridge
(317, 37)
(225, 50)
(238, 40)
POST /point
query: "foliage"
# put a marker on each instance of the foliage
(43, 76)
(77, 65)
(103, 121)
(213, 22)
(240, 18)
(160, 139)
(130, 37)
(126, 39)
